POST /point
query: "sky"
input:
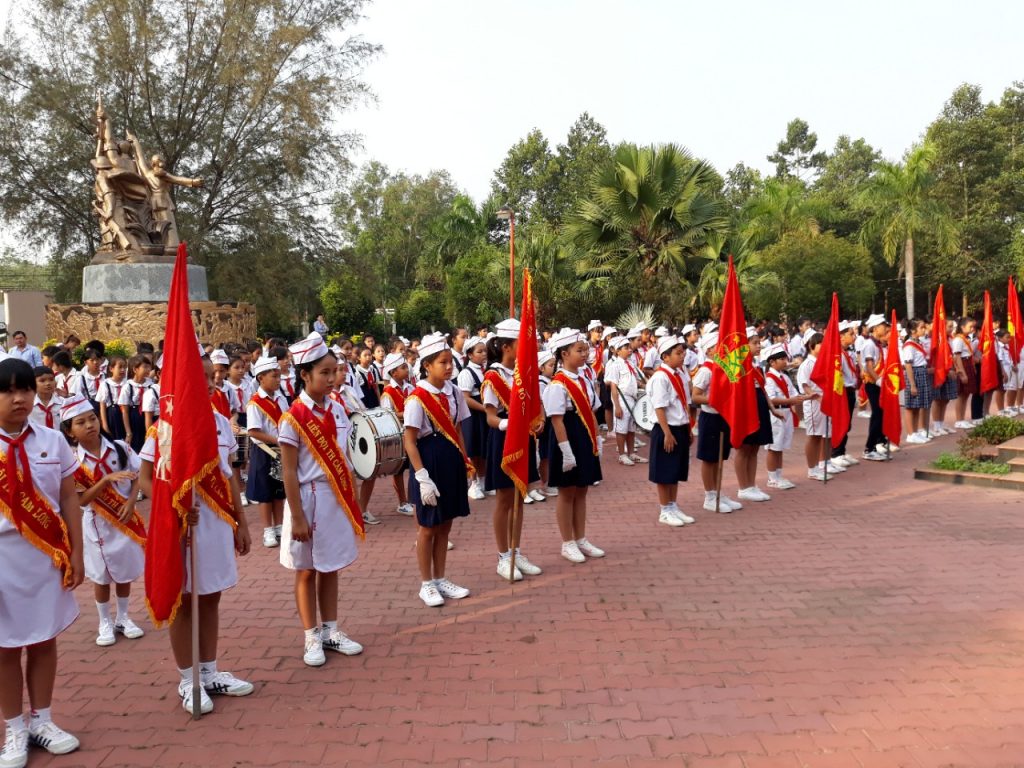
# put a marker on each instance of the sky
(460, 81)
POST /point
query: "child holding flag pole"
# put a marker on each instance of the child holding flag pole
(891, 383)
(828, 375)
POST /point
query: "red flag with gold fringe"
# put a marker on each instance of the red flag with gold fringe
(828, 374)
(187, 450)
(524, 407)
(941, 354)
(892, 382)
(989, 362)
(1013, 322)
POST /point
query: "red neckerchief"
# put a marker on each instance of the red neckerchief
(48, 410)
(782, 382)
(336, 396)
(758, 376)
(854, 368)
(582, 403)
(599, 358)
(109, 503)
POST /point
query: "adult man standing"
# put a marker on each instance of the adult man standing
(320, 326)
(25, 351)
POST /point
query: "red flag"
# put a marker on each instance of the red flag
(186, 452)
(524, 408)
(989, 362)
(1013, 323)
(828, 374)
(892, 383)
(732, 387)
(941, 355)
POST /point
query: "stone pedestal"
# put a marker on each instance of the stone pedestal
(126, 283)
(215, 322)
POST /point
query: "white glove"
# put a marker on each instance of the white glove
(568, 459)
(600, 445)
(503, 425)
(428, 491)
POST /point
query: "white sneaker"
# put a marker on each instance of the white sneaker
(451, 545)
(892, 448)
(639, 443)
(963, 425)
(834, 469)
(15, 751)
(406, 509)
(838, 461)
(727, 502)
(129, 629)
(185, 692)
(313, 655)
(687, 520)
(476, 492)
(536, 495)
(874, 456)
(571, 552)
(782, 484)
(668, 517)
(589, 549)
(226, 684)
(850, 460)
(638, 459)
(450, 589)
(550, 491)
(526, 567)
(527, 499)
(753, 494)
(490, 493)
(371, 519)
(624, 459)
(51, 737)
(245, 501)
(106, 634)
(914, 439)
(339, 642)
(270, 538)
(505, 565)
(709, 504)
(430, 596)
(864, 414)
(816, 473)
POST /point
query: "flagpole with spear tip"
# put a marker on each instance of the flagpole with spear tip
(512, 543)
(721, 464)
(197, 696)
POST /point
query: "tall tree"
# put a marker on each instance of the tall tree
(903, 207)
(848, 166)
(782, 206)
(577, 161)
(526, 178)
(795, 155)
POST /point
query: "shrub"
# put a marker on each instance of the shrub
(958, 463)
(121, 347)
(998, 429)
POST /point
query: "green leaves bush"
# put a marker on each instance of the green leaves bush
(998, 429)
(957, 463)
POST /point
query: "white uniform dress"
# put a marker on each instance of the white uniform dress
(818, 424)
(215, 538)
(34, 606)
(621, 373)
(110, 556)
(333, 543)
(782, 429)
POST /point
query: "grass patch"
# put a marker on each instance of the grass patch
(957, 463)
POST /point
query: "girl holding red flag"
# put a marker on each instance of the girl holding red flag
(433, 442)
(919, 393)
(112, 531)
(36, 473)
(574, 449)
(495, 393)
(318, 537)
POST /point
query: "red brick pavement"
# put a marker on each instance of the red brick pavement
(876, 622)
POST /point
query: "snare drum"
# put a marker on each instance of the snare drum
(375, 444)
(643, 413)
(242, 452)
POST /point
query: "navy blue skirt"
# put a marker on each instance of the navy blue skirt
(763, 434)
(544, 441)
(443, 462)
(260, 486)
(474, 434)
(588, 466)
(137, 421)
(494, 476)
(116, 422)
(669, 468)
(709, 427)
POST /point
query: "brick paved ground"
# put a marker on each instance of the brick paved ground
(878, 622)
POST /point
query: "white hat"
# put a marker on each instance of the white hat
(808, 333)
(433, 343)
(309, 350)
(543, 357)
(159, 362)
(665, 343)
(473, 342)
(337, 350)
(609, 331)
(853, 323)
(393, 361)
(404, 340)
(594, 325)
(220, 357)
(618, 342)
(635, 331)
(771, 350)
(507, 329)
(660, 331)
(565, 338)
(264, 364)
(707, 340)
(688, 329)
(752, 331)
(709, 327)
(74, 406)
(876, 320)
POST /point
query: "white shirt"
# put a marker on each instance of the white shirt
(702, 381)
(256, 419)
(50, 460)
(651, 359)
(86, 385)
(110, 392)
(417, 418)
(803, 376)
(151, 400)
(488, 396)
(796, 347)
(913, 353)
(850, 375)
(663, 395)
(38, 414)
(470, 378)
(131, 394)
(870, 351)
(556, 397)
(960, 347)
(240, 393)
(108, 456)
(309, 469)
(619, 373)
(385, 398)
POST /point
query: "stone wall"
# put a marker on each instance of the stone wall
(215, 322)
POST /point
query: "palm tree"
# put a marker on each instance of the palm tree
(902, 208)
(550, 261)
(751, 274)
(782, 206)
(650, 210)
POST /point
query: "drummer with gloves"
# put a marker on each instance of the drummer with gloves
(263, 414)
(668, 390)
(623, 382)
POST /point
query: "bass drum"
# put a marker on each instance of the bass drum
(375, 444)
(643, 414)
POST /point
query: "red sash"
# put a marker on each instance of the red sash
(109, 504)
(397, 397)
(915, 345)
(436, 408)
(582, 403)
(268, 405)
(219, 398)
(783, 383)
(502, 390)
(321, 439)
(337, 397)
(758, 376)
(599, 358)
(677, 385)
(40, 524)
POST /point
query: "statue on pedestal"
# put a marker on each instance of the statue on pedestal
(133, 200)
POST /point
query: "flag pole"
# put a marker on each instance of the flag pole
(197, 696)
(718, 479)
(516, 499)
(827, 444)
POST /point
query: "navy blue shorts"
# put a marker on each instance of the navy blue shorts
(669, 468)
(709, 427)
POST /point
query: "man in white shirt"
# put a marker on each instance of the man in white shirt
(25, 351)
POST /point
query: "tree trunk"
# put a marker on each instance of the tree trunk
(908, 270)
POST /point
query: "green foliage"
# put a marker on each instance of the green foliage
(756, 281)
(121, 347)
(794, 156)
(997, 429)
(809, 268)
(636, 314)
(956, 463)
(471, 296)
(782, 206)
(421, 312)
(346, 306)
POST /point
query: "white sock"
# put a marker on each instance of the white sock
(207, 668)
(666, 507)
(122, 608)
(103, 609)
(277, 530)
(505, 555)
(709, 495)
(311, 633)
(428, 582)
(41, 715)
(186, 674)
(329, 628)
(775, 474)
(270, 529)
(16, 724)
